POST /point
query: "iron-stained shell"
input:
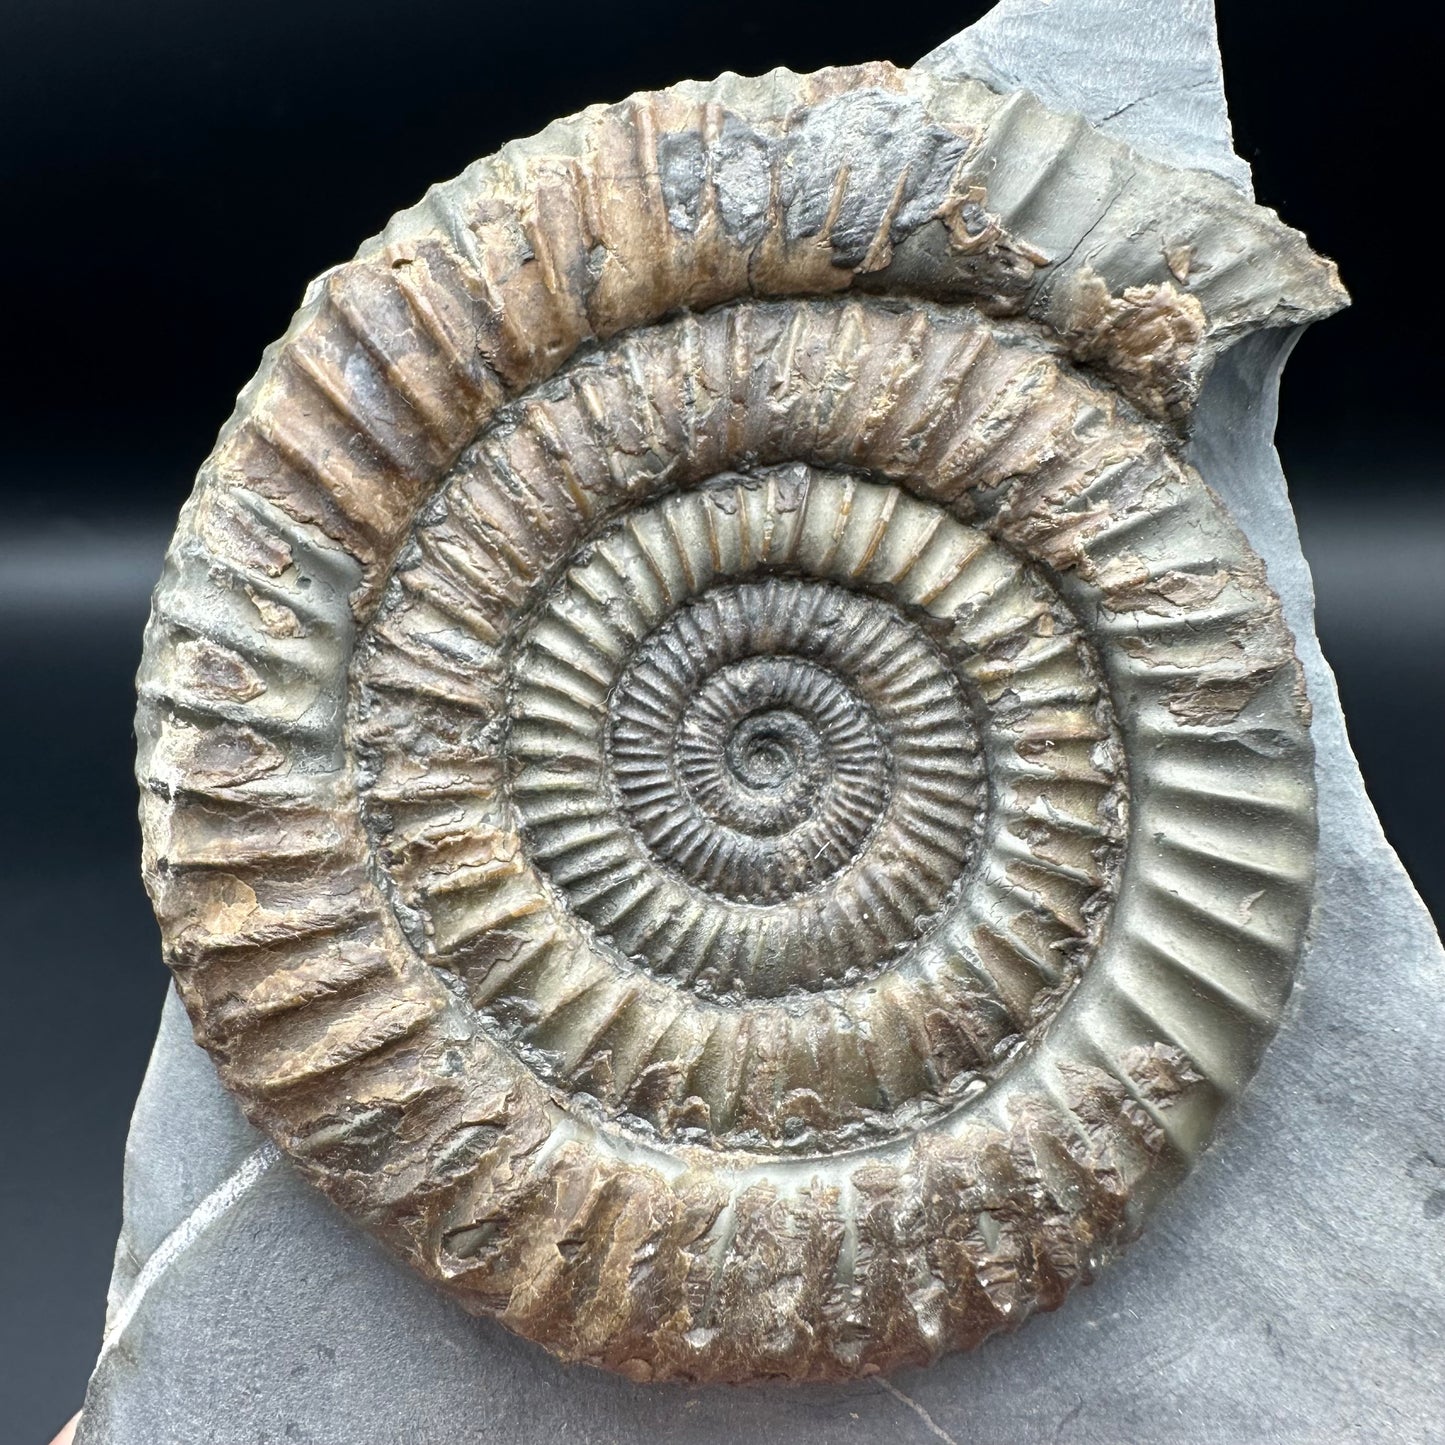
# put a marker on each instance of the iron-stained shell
(709, 772)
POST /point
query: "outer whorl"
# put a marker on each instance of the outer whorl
(709, 772)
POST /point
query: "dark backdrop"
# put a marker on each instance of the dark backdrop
(172, 173)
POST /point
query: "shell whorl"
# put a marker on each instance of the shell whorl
(708, 770)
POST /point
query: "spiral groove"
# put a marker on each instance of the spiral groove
(755, 770)
(782, 775)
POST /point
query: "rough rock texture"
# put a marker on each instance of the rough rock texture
(1149, 77)
(1287, 1294)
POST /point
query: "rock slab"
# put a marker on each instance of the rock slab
(1293, 1290)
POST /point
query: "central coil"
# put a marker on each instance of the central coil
(780, 744)
(744, 747)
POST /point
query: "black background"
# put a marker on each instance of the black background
(171, 175)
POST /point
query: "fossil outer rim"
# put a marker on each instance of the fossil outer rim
(301, 972)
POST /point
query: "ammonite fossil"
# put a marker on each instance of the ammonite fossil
(710, 773)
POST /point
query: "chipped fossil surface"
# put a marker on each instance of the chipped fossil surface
(709, 772)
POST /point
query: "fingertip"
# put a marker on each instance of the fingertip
(67, 1433)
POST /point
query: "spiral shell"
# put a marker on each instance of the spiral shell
(709, 772)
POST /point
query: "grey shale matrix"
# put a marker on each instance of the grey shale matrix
(710, 774)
